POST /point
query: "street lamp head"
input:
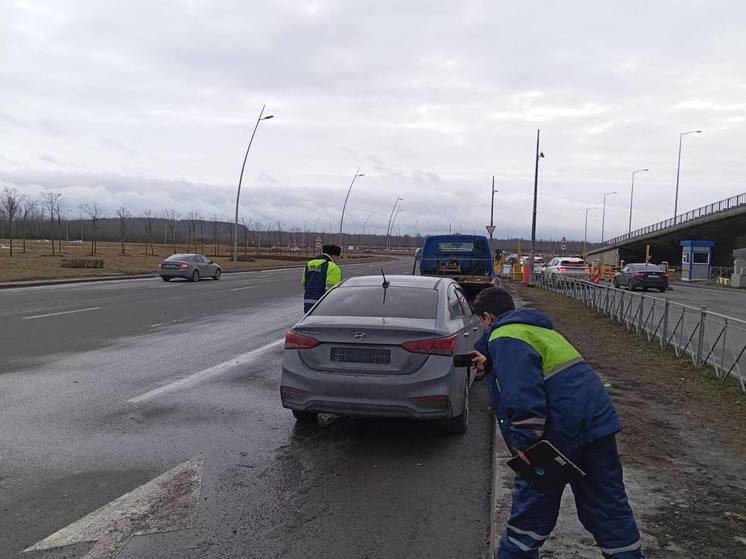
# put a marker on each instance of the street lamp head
(360, 174)
(267, 117)
(541, 154)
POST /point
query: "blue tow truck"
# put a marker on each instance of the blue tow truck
(465, 258)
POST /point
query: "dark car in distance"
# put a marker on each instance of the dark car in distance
(641, 276)
(188, 266)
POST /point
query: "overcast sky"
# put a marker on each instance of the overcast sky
(149, 105)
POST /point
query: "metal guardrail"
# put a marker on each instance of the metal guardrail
(708, 338)
(710, 209)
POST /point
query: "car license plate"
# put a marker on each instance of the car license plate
(653, 276)
(360, 355)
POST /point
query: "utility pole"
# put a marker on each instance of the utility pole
(539, 155)
(492, 216)
(678, 169)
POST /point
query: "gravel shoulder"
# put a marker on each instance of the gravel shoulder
(683, 445)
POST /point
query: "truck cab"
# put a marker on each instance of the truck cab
(465, 258)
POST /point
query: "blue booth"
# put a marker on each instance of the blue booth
(695, 260)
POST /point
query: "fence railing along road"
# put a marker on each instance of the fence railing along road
(708, 338)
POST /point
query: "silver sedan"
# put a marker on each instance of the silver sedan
(188, 266)
(383, 348)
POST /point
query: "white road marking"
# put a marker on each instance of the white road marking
(168, 502)
(202, 376)
(60, 313)
(242, 288)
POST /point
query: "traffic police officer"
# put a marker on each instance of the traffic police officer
(542, 388)
(321, 274)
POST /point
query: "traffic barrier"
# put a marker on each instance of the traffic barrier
(708, 338)
(596, 274)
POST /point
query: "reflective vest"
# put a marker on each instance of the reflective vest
(542, 386)
(320, 275)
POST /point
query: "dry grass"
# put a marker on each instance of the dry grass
(38, 262)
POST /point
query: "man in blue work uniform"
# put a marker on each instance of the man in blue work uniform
(542, 388)
(321, 274)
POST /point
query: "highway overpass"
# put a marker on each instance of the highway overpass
(723, 222)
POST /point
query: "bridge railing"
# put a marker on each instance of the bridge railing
(709, 209)
(708, 338)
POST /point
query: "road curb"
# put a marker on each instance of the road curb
(90, 279)
(493, 499)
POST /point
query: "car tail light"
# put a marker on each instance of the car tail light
(298, 341)
(436, 402)
(666, 276)
(183, 265)
(640, 274)
(561, 269)
(436, 346)
(587, 269)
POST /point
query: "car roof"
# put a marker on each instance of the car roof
(424, 282)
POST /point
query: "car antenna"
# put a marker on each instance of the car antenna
(385, 285)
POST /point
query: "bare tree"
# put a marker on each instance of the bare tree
(95, 213)
(124, 217)
(192, 232)
(10, 201)
(215, 233)
(149, 229)
(50, 201)
(61, 205)
(171, 217)
(28, 209)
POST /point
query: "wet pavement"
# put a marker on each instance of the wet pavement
(106, 386)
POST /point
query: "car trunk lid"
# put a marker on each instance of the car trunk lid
(364, 345)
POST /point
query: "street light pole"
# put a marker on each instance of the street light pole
(678, 170)
(388, 227)
(492, 215)
(393, 221)
(631, 197)
(539, 155)
(341, 219)
(603, 216)
(585, 235)
(240, 179)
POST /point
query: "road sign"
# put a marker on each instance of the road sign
(563, 246)
(563, 241)
(490, 229)
(318, 243)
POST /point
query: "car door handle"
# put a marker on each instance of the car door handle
(466, 334)
(475, 328)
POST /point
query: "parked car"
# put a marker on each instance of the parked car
(642, 276)
(568, 267)
(383, 348)
(188, 266)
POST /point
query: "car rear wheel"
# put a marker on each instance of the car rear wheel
(460, 423)
(217, 274)
(305, 416)
(662, 289)
(195, 275)
(164, 278)
(616, 283)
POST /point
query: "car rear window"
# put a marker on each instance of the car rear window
(573, 262)
(456, 246)
(401, 302)
(177, 257)
(646, 268)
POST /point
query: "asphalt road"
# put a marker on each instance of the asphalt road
(106, 386)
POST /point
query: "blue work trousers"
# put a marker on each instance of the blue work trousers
(601, 501)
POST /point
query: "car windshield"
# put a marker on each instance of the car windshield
(177, 257)
(401, 302)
